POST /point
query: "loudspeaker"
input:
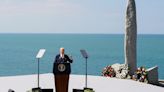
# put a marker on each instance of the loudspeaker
(41, 90)
(88, 90)
(78, 90)
(10, 90)
(36, 90)
(47, 90)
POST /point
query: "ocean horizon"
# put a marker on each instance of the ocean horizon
(18, 52)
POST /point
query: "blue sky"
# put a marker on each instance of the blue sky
(78, 16)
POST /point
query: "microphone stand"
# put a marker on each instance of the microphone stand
(86, 72)
(38, 72)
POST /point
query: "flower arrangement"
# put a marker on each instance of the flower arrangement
(121, 71)
(140, 75)
(108, 71)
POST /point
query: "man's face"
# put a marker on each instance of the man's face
(61, 50)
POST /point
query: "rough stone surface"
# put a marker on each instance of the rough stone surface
(131, 37)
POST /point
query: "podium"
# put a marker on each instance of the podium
(61, 72)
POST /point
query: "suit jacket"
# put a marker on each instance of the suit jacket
(66, 59)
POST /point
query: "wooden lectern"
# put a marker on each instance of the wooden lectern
(62, 72)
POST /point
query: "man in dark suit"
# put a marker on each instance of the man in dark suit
(62, 58)
(62, 80)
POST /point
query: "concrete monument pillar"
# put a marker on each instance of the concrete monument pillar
(131, 37)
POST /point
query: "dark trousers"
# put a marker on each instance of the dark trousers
(61, 82)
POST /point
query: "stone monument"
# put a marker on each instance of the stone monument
(131, 37)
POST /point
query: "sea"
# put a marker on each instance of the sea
(18, 52)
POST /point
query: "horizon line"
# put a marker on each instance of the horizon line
(86, 33)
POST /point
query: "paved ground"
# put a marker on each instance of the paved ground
(98, 83)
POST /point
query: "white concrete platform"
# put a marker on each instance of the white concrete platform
(98, 83)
